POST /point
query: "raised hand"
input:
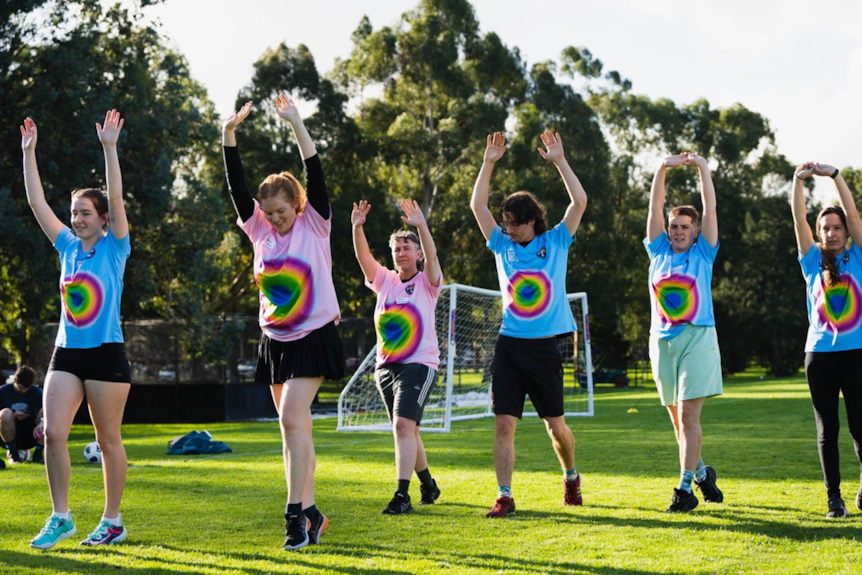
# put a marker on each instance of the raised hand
(237, 117)
(554, 145)
(412, 213)
(693, 159)
(357, 218)
(110, 132)
(675, 161)
(823, 170)
(28, 135)
(285, 108)
(496, 147)
(806, 170)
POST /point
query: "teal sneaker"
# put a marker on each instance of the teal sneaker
(106, 534)
(56, 529)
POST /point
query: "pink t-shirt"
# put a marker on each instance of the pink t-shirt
(294, 274)
(404, 318)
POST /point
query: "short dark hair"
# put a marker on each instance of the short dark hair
(524, 206)
(25, 376)
(689, 211)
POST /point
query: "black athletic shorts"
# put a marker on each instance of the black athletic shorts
(524, 367)
(108, 362)
(317, 354)
(405, 388)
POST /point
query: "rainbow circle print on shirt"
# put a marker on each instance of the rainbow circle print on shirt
(677, 298)
(530, 293)
(840, 306)
(287, 287)
(83, 298)
(399, 331)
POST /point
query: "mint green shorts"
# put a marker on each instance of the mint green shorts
(687, 366)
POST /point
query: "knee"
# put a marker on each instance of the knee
(6, 415)
(404, 428)
(689, 422)
(505, 430)
(54, 437)
(291, 424)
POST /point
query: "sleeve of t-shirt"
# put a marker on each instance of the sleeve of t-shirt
(432, 289)
(656, 246)
(811, 261)
(496, 241)
(120, 250)
(63, 238)
(315, 186)
(238, 187)
(320, 226)
(255, 225)
(380, 277)
(560, 237)
(706, 250)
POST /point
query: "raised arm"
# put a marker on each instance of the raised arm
(854, 224)
(494, 150)
(285, 108)
(237, 186)
(577, 195)
(315, 184)
(108, 135)
(360, 242)
(709, 217)
(48, 220)
(413, 216)
(655, 218)
(804, 237)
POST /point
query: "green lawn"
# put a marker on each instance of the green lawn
(224, 514)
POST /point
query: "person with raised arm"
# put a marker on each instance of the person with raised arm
(833, 348)
(683, 345)
(407, 350)
(531, 268)
(89, 357)
(299, 344)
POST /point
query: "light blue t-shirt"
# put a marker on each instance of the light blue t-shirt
(91, 284)
(834, 313)
(680, 286)
(533, 283)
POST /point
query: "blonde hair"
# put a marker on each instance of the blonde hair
(286, 185)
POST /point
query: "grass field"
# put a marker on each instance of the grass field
(224, 514)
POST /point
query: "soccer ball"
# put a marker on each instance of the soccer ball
(92, 453)
(24, 454)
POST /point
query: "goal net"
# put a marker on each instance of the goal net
(468, 322)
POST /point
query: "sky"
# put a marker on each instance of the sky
(798, 63)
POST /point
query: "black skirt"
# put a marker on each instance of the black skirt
(317, 354)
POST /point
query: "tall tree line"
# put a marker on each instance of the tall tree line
(405, 114)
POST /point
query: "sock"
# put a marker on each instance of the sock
(685, 480)
(115, 522)
(425, 477)
(39, 449)
(293, 509)
(311, 513)
(504, 491)
(700, 472)
(67, 515)
(403, 486)
(572, 475)
(12, 446)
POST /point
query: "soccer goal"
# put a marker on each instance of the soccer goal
(468, 322)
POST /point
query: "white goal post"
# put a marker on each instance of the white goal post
(468, 322)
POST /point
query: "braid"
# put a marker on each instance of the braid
(831, 277)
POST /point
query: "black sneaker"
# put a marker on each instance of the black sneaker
(710, 491)
(316, 528)
(295, 531)
(682, 502)
(400, 504)
(38, 457)
(430, 493)
(836, 508)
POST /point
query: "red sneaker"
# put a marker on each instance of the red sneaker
(502, 507)
(572, 492)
